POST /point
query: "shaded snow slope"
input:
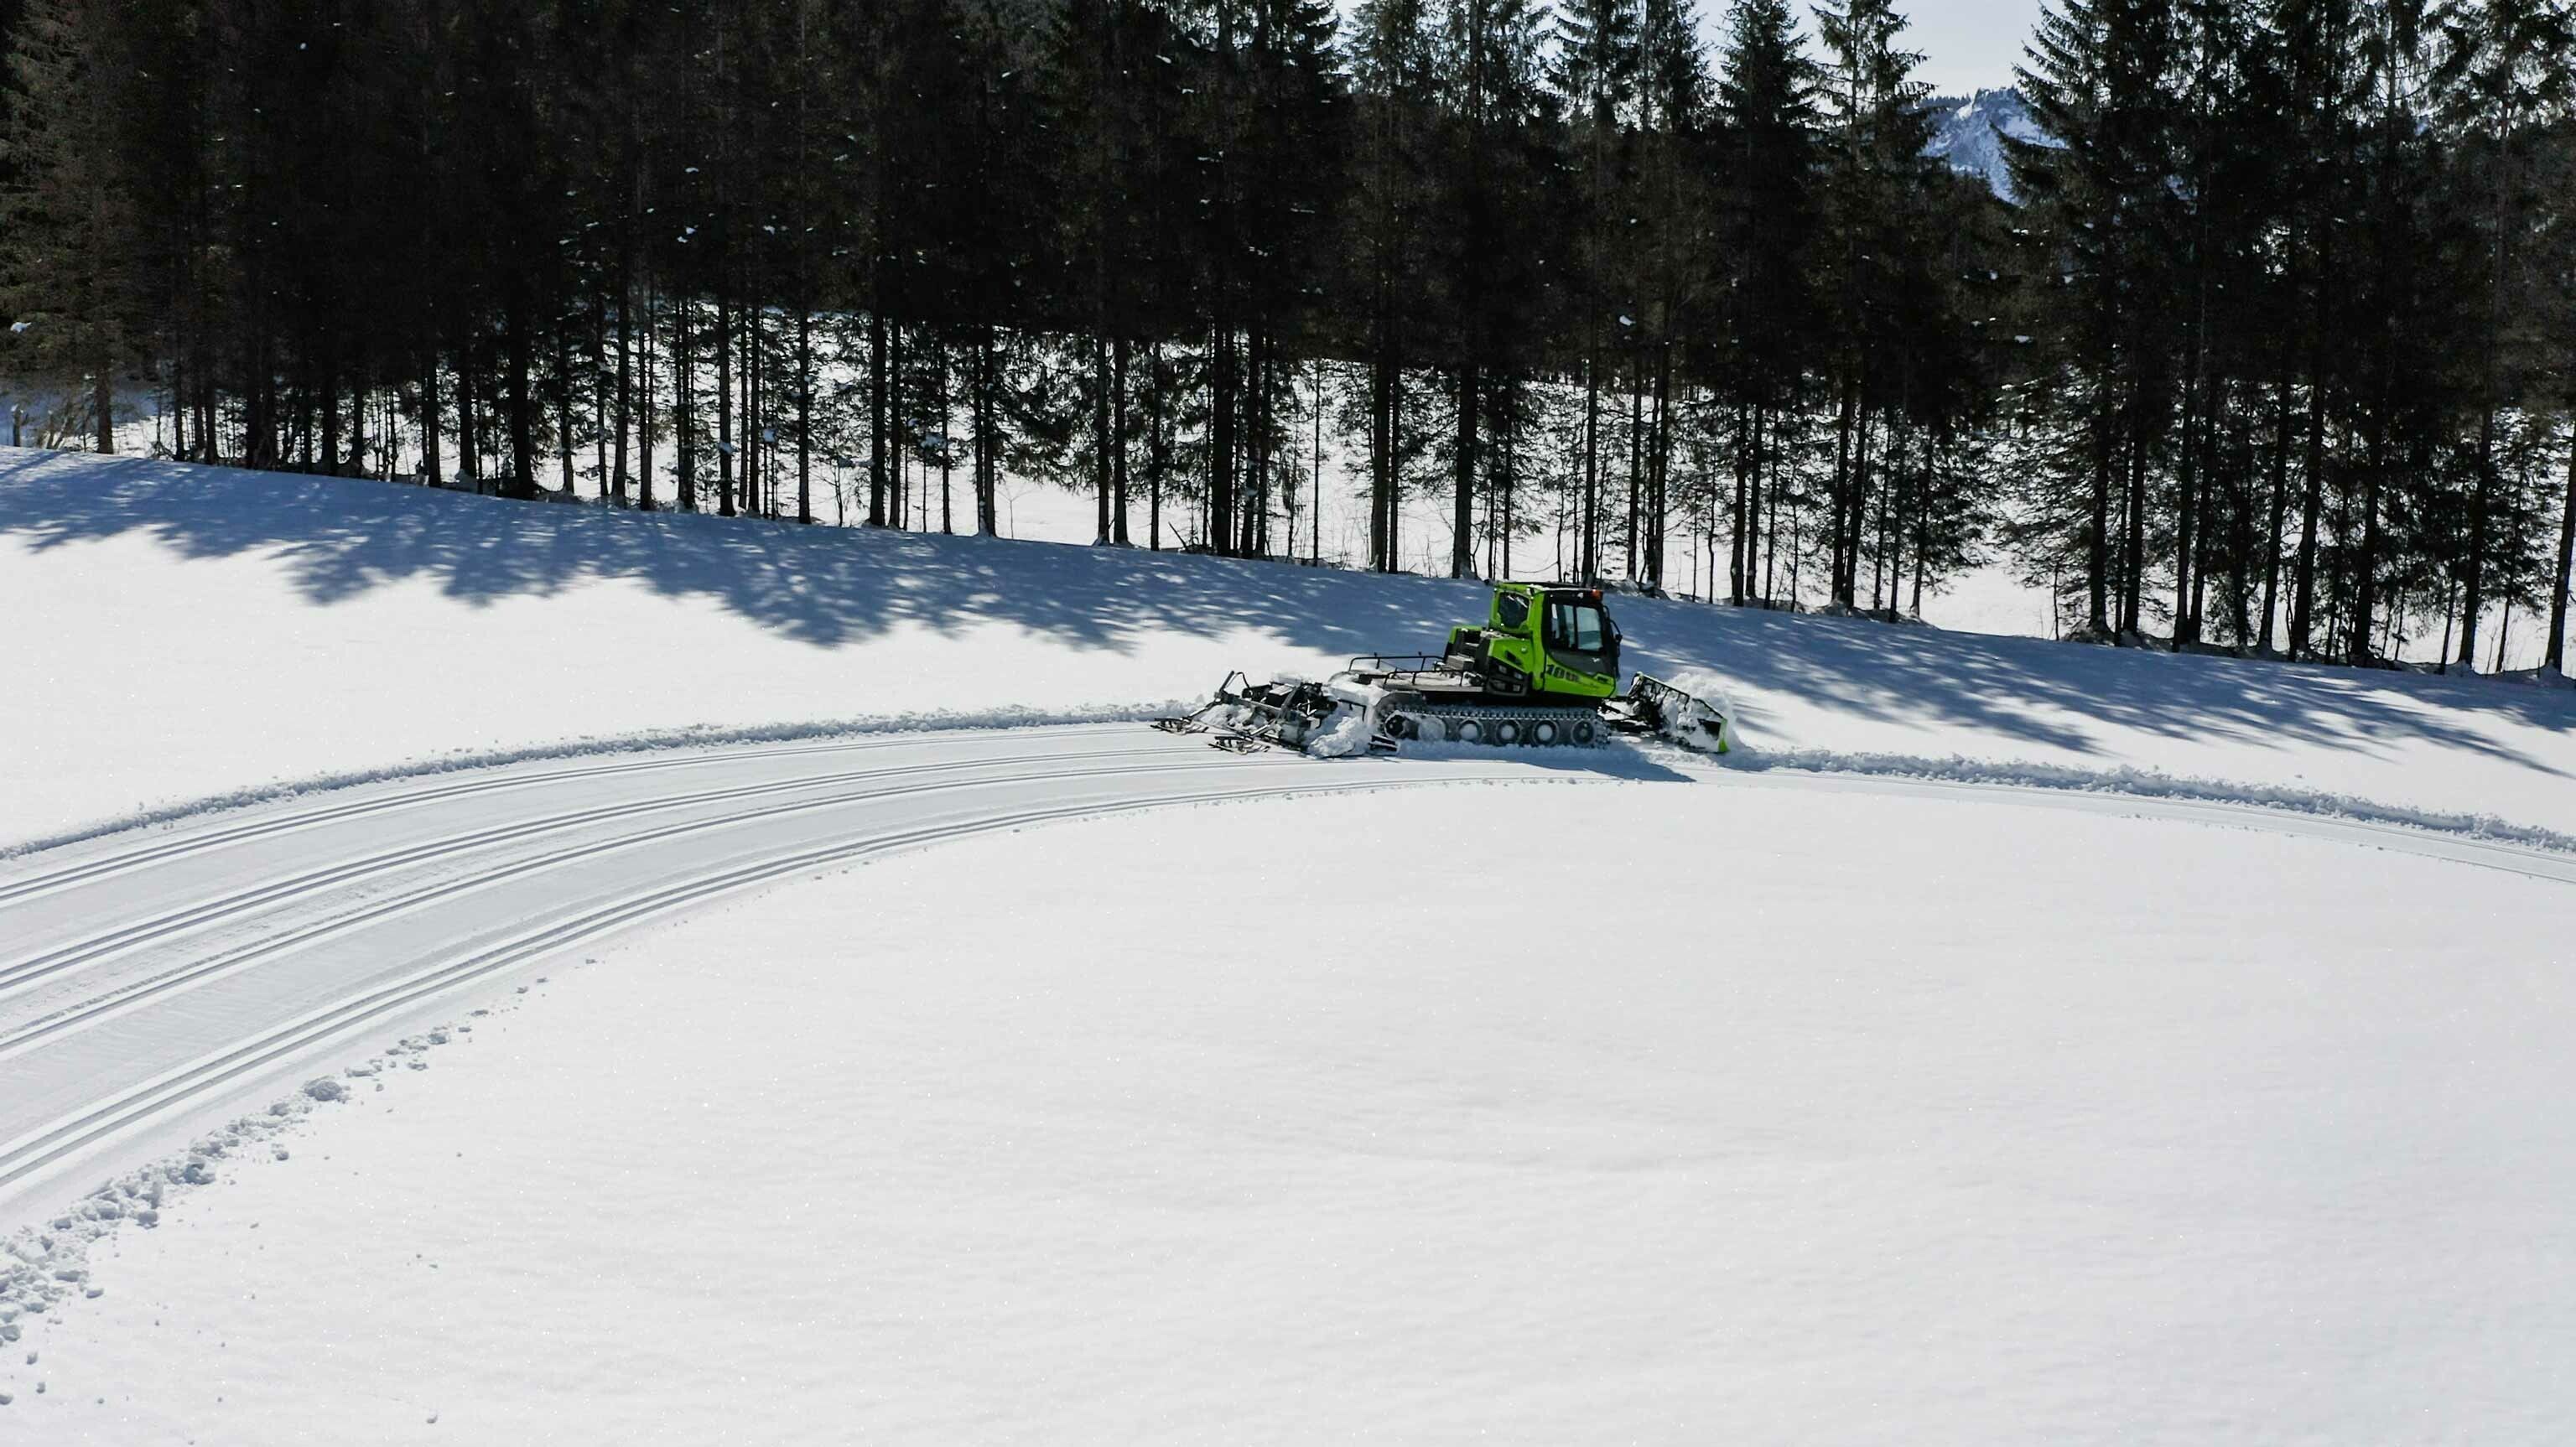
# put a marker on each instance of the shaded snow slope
(1981, 1151)
(179, 632)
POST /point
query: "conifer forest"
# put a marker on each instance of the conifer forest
(2265, 340)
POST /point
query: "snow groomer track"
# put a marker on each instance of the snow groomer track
(157, 982)
(153, 981)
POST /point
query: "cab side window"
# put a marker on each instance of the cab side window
(1589, 636)
(1576, 627)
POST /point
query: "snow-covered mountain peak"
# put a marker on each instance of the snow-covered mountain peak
(1967, 133)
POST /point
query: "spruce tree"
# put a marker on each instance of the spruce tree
(1766, 224)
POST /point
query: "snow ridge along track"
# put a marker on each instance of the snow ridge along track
(149, 990)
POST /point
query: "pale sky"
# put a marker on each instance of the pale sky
(1967, 44)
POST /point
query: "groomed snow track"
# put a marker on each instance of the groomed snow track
(156, 982)
(153, 983)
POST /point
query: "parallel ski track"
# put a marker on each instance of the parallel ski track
(266, 827)
(117, 1001)
(21, 973)
(175, 1089)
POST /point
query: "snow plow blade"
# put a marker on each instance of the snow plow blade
(1652, 706)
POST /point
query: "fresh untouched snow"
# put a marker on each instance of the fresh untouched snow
(183, 633)
(1734, 1110)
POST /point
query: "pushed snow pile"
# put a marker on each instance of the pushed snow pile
(180, 633)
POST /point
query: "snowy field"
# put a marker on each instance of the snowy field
(180, 633)
(2064, 1128)
(2011, 1042)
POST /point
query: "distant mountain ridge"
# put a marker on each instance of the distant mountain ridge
(1968, 131)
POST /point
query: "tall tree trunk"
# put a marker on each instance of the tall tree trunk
(2133, 550)
(2480, 505)
(2312, 489)
(469, 416)
(625, 359)
(1660, 467)
(878, 436)
(429, 406)
(2097, 540)
(988, 442)
(1315, 515)
(2280, 501)
(1382, 464)
(804, 414)
(1846, 408)
(1157, 459)
(1462, 514)
(1636, 459)
(1118, 357)
(1588, 533)
(602, 402)
(1742, 467)
(646, 385)
(522, 482)
(2366, 568)
(947, 445)
(1100, 465)
(758, 493)
(902, 427)
(563, 403)
(2187, 499)
(1395, 480)
(1252, 512)
(684, 399)
(724, 406)
(2556, 647)
(103, 400)
(1221, 441)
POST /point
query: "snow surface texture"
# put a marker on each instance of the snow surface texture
(207, 633)
(2003, 1149)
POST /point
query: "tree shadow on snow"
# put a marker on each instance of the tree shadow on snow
(337, 539)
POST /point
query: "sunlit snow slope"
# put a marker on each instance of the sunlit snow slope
(179, 632)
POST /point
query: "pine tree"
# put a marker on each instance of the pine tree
(1875, 131)
(69, 236)
(1387, 226)
(1767, 91)
(1596, 73)
(1494, 103)
(2100, 199)
(2504, 66)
